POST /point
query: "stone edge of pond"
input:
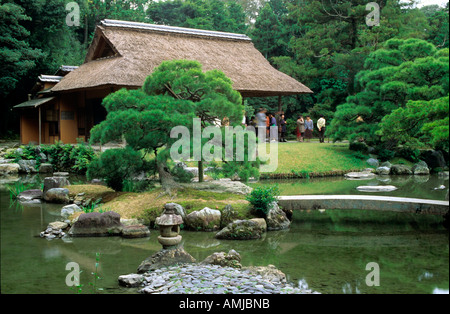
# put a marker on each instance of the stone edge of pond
(195, 278)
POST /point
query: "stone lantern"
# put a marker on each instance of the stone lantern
(169, 228)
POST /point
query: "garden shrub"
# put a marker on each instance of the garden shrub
(385, 154)
(181, 174)
(261, 198)
(408, 153)
(116, 166)
(358, 147)
(26, 152)
(63, 157)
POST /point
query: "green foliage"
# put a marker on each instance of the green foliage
(136, 186)
(329, 41)
(63, 157)
(211, 14)
(68, 157)
(26, 152)
(417, 124)
(408, 153)
(96, 274)
(267, 32)
(209, 95)
(116, 165)
(291, 127)
(260, 198)
(439, 29)
(401, 71)
(177, 92)
(91, 207)
(385, 154)
(17, 57)
(16, 189)
(358, 146)
(182, 175)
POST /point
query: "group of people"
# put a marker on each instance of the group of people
(305, 127)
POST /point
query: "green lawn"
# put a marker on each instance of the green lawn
(317, 157)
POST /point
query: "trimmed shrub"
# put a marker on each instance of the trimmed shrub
(261, 198)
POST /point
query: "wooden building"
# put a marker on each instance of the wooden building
(122, 54)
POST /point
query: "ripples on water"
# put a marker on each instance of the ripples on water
(323, 251)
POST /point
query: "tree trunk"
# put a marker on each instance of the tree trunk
(86, 25)
(165, 177)
(200, 171)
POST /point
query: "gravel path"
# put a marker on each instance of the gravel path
(212, 279)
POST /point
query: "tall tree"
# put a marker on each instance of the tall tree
(331, 40)
(173, 95)
(267, 32)
(210, 14)
(438, 18)
(401, 71)
(17, 59)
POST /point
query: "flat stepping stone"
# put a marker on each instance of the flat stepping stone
(376, 188)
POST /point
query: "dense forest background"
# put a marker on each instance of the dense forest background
(365, 78)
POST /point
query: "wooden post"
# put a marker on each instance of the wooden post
(200, 171)
(40, 126)
(279, 103)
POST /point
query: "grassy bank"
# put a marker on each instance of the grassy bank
(294, 160)
(316, 159)
(150, 204)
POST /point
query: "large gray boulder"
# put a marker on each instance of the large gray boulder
(384, 171)
(373, 162)
(206, 219)
(55, 182)
(165, 258)
(433, 158)
(241, 230)
(421, 168)
(57, 195)
(276, 218)
(230, 259)
(30, 195)
(7, 169)
(221, 186)
(46, 168)
(27, 166)
(401, 170)
(97, 225)
(131, 280)
(177, 208)
(69, 210)
(135, 231)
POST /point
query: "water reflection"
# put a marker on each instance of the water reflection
(426, 187)
(325, 252)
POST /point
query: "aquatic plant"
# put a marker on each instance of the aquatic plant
(16, 189)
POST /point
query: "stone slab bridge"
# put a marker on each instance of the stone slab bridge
(364, 202)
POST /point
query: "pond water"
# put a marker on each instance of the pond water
(328, 252)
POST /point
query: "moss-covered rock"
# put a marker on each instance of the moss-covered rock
(241, 230)
(206, 219)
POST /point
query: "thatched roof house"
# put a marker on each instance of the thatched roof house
(123, 54)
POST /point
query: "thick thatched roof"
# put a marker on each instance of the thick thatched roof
(125, 53)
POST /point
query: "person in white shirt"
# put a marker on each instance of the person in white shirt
(321, 127)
